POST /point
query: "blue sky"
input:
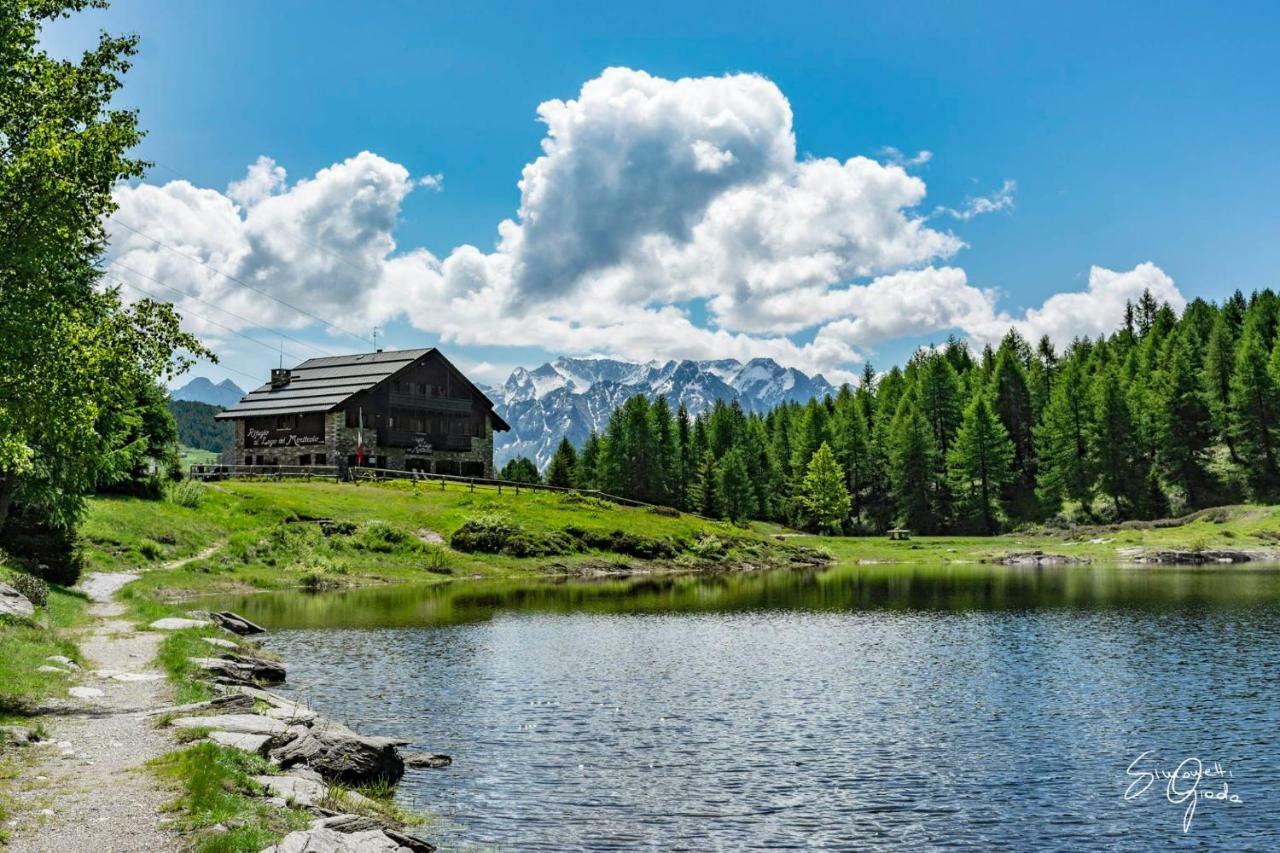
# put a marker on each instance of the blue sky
(1134, 132)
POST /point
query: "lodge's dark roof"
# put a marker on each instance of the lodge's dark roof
(321, 384)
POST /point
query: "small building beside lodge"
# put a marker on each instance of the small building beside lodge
(419, 413)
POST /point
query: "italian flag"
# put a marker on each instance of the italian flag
(360, 439)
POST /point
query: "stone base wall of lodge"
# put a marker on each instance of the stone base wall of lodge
(339, 446)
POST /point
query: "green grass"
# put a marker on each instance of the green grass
(215, 786)
(189, 456)
(270, 536)
(26, 645)
(1244, 527)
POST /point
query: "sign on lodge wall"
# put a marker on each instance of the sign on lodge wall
(276, 438)
(285, 431)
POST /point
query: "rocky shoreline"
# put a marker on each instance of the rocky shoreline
(320, 759)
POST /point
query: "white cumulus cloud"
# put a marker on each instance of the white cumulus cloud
(649, 195)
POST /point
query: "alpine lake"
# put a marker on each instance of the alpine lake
(859, 707)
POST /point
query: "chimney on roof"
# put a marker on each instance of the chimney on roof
(280, 377)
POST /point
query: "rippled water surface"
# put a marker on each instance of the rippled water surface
(977, 708)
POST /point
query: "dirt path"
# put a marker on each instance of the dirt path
(96, 795)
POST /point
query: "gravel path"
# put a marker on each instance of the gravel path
(96, 795)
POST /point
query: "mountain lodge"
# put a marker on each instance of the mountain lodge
(409, 409)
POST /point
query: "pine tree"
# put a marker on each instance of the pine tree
(733, 486)
(520, 470)
(981, 463)
(1185, 428)
(684, 457)
(563, 470)
(589, 463)
(823, 496)
(1219, 364)
(808, 434)
(1255, 411)
(911, 468)
(703, 495)
(1113, 451)
(1012, 403)
(666, 453)
(1064, 469)
(939, 393)
(629, 463)
(850, 443)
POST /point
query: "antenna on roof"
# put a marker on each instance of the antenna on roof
(375, 339)
(282, 353)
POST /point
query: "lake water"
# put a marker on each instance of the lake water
(858, 708)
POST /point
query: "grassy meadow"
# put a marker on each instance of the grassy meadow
(244, 535)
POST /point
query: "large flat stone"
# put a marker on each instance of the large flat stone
(324, 840)
(249, 724)
(177, 623)
(238, 740)
(14, 603)
(292, 714)
(340, 755)
(302, 792)
(243, 669)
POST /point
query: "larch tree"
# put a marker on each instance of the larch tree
(589, 463)
(1113, 445)
(911, 468)
(563, 470)
(1219, 364)
(1185, 426)
(737, 498)
(1064, 469)
(981, 462)
(1255, 411)
(823, 496)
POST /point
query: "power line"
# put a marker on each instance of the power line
(215, 322)
(230, 277)
(179, 290)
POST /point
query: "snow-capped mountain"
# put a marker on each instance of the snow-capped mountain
(572, 396)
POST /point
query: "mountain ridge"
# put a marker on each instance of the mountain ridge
(572, 396)
(201, 389)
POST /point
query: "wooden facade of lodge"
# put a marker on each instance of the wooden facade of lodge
(419, 414)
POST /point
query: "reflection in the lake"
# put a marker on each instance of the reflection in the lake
(949, 587)
(976, 707)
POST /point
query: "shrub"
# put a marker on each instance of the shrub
(622, 542)
(48, 552)
(496, 534)
(36, 590)
(709, 547)
(383, 538)
(188, 493)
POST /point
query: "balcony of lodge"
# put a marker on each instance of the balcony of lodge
(452, 405)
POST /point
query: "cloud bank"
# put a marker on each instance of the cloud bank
(650, 197)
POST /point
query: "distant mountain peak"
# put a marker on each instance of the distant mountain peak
(203, 390)
(571, 396)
